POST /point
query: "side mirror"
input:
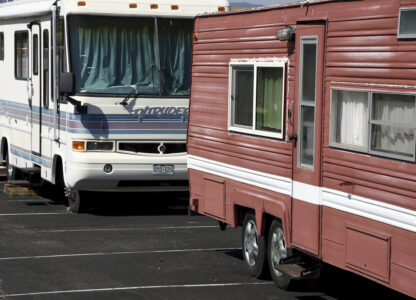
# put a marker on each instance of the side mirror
(66, 83)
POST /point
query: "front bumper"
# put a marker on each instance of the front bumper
(129, 173)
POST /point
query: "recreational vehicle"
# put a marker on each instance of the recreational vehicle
(302, 131)
(94, 94)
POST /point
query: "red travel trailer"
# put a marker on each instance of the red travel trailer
(302, 130)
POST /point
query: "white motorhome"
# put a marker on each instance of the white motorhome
(94, 94)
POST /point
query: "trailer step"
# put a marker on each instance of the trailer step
(299, 267)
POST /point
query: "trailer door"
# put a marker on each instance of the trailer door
(307, 141)
(34, 87)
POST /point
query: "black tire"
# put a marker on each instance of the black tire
(59, 180)
(77, 202)
(253, 247)
(13, 173)
(276, 250)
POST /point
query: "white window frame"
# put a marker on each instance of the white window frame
(370, 123)
(404, 35)
(255, 64)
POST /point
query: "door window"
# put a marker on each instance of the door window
(307, 92)
(21, 61)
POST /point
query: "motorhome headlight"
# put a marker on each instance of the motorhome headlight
(78, 145)
(100, 146)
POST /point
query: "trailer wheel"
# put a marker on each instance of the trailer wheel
(276, 251)
(76, 202)
(254, 247)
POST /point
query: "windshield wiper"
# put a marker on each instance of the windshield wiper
(136, 87)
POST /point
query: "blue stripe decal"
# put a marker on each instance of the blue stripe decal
(169, 115)
(121, 131)
(29, 156)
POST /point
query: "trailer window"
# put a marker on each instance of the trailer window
(407, 23)
(242, 96)
(21, 61)
(377, 123)
(393, 125)
(1, 46)
(256, 98)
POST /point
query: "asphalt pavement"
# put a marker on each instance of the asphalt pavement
(137, 246)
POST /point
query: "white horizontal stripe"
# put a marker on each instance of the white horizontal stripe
(306, 192)
(130, 288)
(266, 181)
(128, 229)
(364, 207)
(31, 214)
(371, 209)
(113, 253)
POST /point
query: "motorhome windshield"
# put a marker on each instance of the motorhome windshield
(116, 55)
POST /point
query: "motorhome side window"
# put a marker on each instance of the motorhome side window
(1, 46)
(45, 41)
(256, 98)
(35, 53)
(60, 52)
(374, 122)
(21, 61)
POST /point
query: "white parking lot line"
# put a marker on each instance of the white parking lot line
(131, 288)
(32, 214)
(114, 253)
(27, 200)
(128, 229)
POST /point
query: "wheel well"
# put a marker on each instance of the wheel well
(57, 161)
(240, 212)
(267, 221)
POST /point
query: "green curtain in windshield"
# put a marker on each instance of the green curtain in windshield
(112, 55)
(269, 99)
(175, 41)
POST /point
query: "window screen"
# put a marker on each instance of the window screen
(269, 99)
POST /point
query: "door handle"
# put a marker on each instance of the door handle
(293, 137)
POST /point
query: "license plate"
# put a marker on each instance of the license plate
(163, 169)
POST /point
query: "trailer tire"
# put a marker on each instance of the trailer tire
(76, 202)
(254, 247)
(276, 250)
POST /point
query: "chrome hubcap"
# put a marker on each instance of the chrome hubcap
(278, 249)
(251, 247)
